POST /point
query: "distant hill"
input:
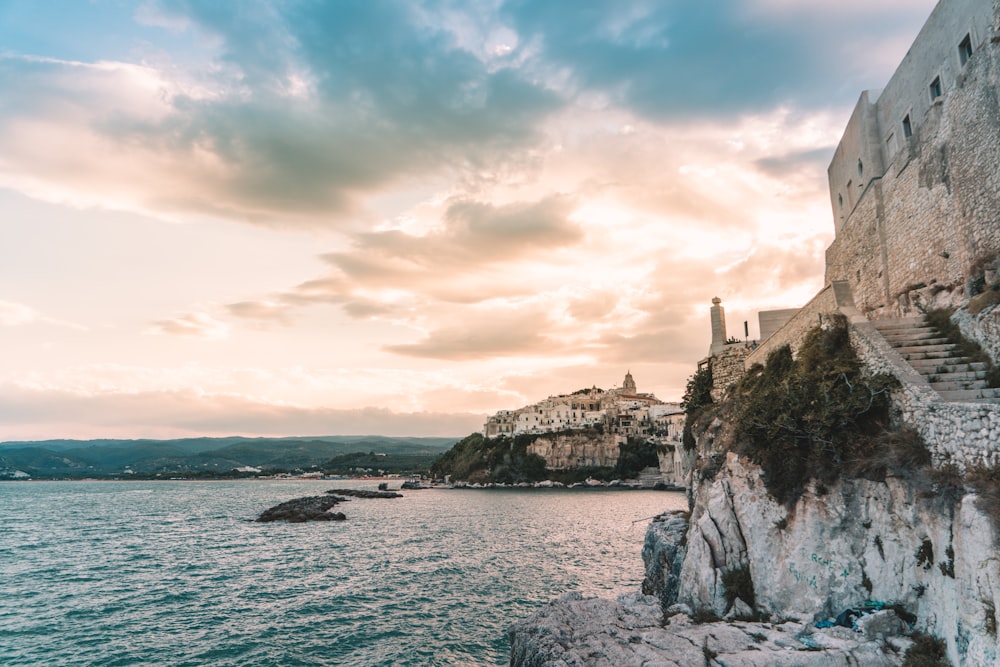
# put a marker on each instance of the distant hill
(80, 458)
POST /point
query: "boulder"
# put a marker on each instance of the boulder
(312, 508)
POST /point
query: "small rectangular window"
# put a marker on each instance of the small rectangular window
(907, 127)
(965, 50)
(936, 90)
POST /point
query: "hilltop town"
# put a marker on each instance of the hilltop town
(588, 427)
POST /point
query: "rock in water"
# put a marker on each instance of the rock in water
(362, 493)
(298, 510)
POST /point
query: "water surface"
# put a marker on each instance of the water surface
(176, 573)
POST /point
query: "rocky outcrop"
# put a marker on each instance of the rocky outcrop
(928, 549)
(663, 553)
(925, 552)
(299, 510)
(565, 451)
(362, 493)
(632, 631)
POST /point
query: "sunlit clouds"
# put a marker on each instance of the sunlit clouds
(397, 217)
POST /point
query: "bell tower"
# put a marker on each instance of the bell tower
(628, 386)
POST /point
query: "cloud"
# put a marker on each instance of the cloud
(17, 314)
(669, 60)
(197, 325)
(783, 166)
(304, 114)
(487, 335)
(14, 314)
(465, 260)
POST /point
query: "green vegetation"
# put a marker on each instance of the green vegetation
(357, 463)
(506, 460)
(635, 455)
(501, 460)
(926, 651)
(203, 458)
(697, 396)
(813, 417)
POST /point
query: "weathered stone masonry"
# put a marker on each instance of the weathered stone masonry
(920, 212)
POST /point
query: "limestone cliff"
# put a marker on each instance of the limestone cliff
(563, 451)
(925, 554)
(888, 541)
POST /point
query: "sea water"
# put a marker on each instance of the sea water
(177, 573)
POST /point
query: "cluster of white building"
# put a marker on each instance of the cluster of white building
(622, 411)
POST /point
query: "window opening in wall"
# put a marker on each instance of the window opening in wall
(936, 90)
(840, 201)
(861, 168)
(965, 49)
(907, 127)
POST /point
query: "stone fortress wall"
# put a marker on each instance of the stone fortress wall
(914, 180)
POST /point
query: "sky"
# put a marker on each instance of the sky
(297, 217)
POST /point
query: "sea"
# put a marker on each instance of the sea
(177, 573)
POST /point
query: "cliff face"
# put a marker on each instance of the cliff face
(577, 450)
(890, 541)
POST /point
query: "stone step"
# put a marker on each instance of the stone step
(909, 331)
(922, 336)
(926, 349)
(956, 376)
(915, 342)
(921, 355)
(952, 365)
(957, 385)
(899, 323)
(970, 394)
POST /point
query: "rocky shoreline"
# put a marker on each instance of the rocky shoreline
(632, 632)
(744, 580)
(652, 628)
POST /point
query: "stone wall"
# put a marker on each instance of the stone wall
(827, 301)
(727, 368)
(932, 218)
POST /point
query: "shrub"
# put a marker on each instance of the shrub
(697, 396)
(925, 554)
(634, 455)
(803, 419)
(926, 651)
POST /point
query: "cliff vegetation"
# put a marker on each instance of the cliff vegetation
(506, 460)
(815, 417)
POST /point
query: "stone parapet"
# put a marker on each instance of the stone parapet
(827, 301)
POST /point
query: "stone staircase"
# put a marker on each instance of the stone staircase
(954, 377)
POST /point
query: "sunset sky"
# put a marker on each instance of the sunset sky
(300, 217)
